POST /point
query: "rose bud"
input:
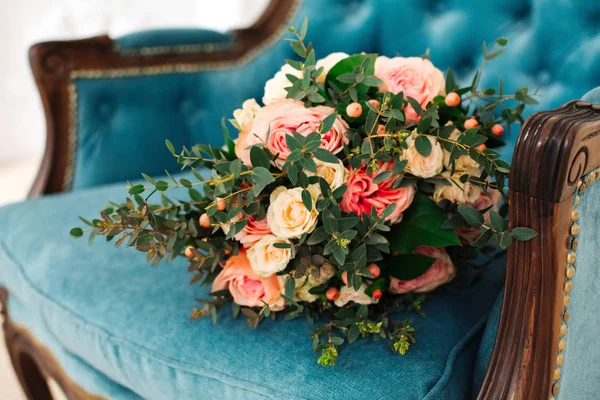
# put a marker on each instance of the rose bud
(374, 269)
(471, 123)
(204, 221)
(452, 99)
(189, 251)
(354, 110)
(497, 129)
(332, 294)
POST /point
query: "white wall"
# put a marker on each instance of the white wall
(24, 22)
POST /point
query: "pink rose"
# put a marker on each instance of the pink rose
(441, 271)
(468, 234)
(247, 288)
(363, 193)
(415, 76)
(283, 117)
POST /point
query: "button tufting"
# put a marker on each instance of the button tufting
(187, 107)
(106, 108)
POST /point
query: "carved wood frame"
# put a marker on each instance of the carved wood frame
(555, 150)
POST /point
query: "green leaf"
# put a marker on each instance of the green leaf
(328, 122)
(261, 177)
(347, 66)
(137, 189)
(325, 156)
(421, 225)
(76, 232)
(483, 238)
(170, 147)
(523, 234)
(329, 222)
(423, 145)
(450, 82)
(161, 186)
(303, 28)
(187, 184)
(282, 245)
(307, 200)
(498, 223)
(409, 266)
(318, 236)
(502, 41)
(471, 215)
(149, 179)
(259, 158)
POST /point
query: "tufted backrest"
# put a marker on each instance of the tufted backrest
(121, 117)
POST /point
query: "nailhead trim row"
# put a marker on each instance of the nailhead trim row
(572, 244)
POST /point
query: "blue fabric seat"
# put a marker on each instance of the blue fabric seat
(122, 330)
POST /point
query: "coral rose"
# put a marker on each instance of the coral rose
(252, 232)
(424, 167)
(415, 76)
(441, 271)
(278, 120)
(247, 288)
(363, 194)
(266, 259)
(287, 215)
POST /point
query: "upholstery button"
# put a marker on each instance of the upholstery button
(106, 108)
(187, 107)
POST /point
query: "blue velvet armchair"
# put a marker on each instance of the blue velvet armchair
(103, 325)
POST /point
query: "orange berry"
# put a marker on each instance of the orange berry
(497, 129)
(374, 269)
(332, 294)
(345, 277)
(221, 205)
(471, 123)
(452, 99)
(374, 103)
(354, 110)
(481, 147)
(189, 251)
(377, 294)
(380, 130)
(204, 221)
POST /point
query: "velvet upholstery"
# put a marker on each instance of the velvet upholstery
(551, 43)
(581, 369)
(105, 310)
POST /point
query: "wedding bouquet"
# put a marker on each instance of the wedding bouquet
(362, 183)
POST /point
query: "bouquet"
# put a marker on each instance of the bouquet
(361, 184)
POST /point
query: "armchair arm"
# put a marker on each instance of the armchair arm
(539, 351)
(101, 97)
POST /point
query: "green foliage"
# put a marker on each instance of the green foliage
(422, 225)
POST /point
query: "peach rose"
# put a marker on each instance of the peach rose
(252, 232)
(441, 271)
(415, 76)
(334, 174)
(363, 194)
(266, 259)
(247, 288)
(279, 119)
(462, 163)
(424, 167)
(461, 193)
(287, 215)
(347, 294)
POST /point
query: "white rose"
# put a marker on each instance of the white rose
(266, 259)
(245, 115)
(304, 284)
(287, 215)
(462, 163)
(464, 194)
(347, 294)
(275, 87)
(327, 63)
(335, 174)
(424, 167)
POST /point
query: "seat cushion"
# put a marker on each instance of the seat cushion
(128, 322)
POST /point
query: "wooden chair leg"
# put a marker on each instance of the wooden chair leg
(22, 357)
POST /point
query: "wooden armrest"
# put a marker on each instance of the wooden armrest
(555, 150)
